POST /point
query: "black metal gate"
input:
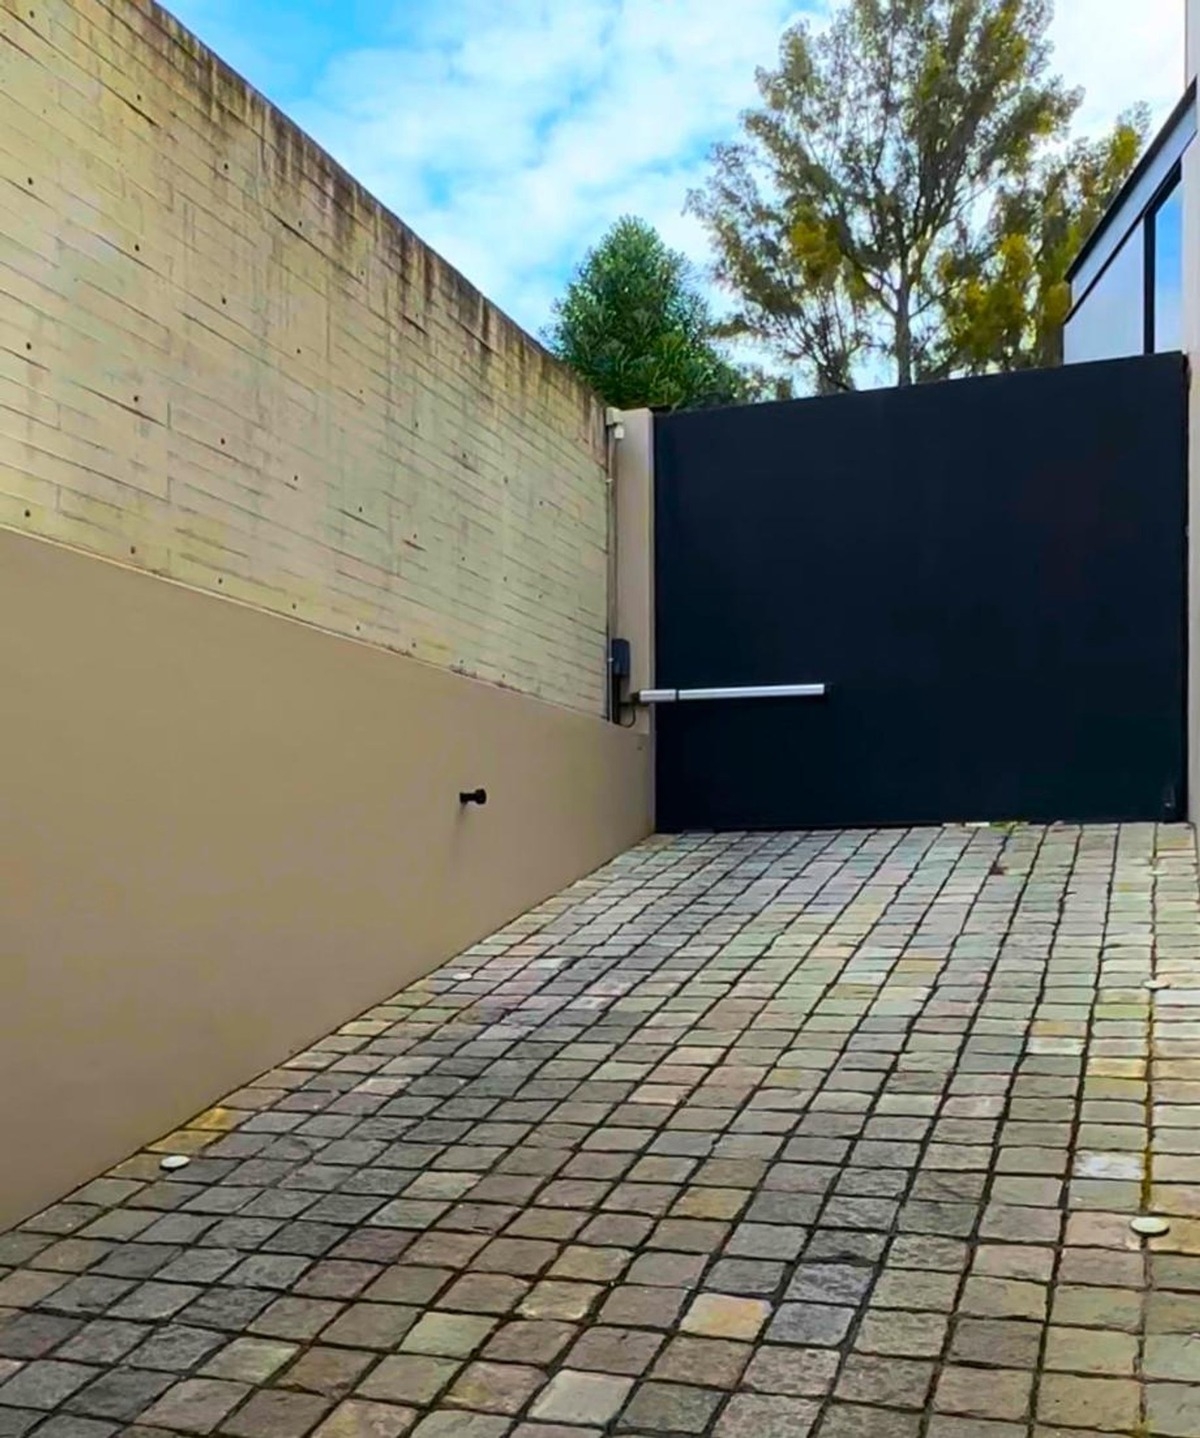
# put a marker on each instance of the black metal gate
(987, 576)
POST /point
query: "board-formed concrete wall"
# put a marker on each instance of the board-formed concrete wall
(221, 360)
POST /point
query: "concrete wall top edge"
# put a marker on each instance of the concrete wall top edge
(234, 367)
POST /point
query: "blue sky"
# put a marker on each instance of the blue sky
(511, 133)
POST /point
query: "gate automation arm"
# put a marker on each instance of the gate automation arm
(751, 691)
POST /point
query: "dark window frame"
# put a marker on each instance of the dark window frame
(1165, 192)
(1164, 136)
(1144, 227)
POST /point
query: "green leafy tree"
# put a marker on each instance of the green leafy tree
(635, 326)
(1005, 301)
(898, 155)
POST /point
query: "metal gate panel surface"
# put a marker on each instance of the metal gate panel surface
(987, 575)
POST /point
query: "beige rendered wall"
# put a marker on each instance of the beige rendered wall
(223, 832)
(223, 361)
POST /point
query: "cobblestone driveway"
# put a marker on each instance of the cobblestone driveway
(753, 1136)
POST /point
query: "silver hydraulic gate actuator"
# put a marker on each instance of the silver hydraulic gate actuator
(748, 691)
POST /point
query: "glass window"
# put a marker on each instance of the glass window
(1168, 272)
(1110, 321)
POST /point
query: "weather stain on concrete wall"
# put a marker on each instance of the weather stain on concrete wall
(222, 360)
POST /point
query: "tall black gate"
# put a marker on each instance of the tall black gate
(988, 576)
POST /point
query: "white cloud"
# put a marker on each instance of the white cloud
(1121, 51)
(511, 135)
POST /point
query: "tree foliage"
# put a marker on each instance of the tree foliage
(1006, 300)
(634, 324)
(903, 195)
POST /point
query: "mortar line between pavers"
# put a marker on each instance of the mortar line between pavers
(1077, 1111)
(674, 1330)
(845, 1348)
(952, 1317)
(560, 1361)
(791, 1266)
(1147, 1184)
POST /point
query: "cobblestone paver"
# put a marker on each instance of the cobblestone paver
(750, 1136)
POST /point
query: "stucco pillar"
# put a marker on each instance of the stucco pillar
(634, 479)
